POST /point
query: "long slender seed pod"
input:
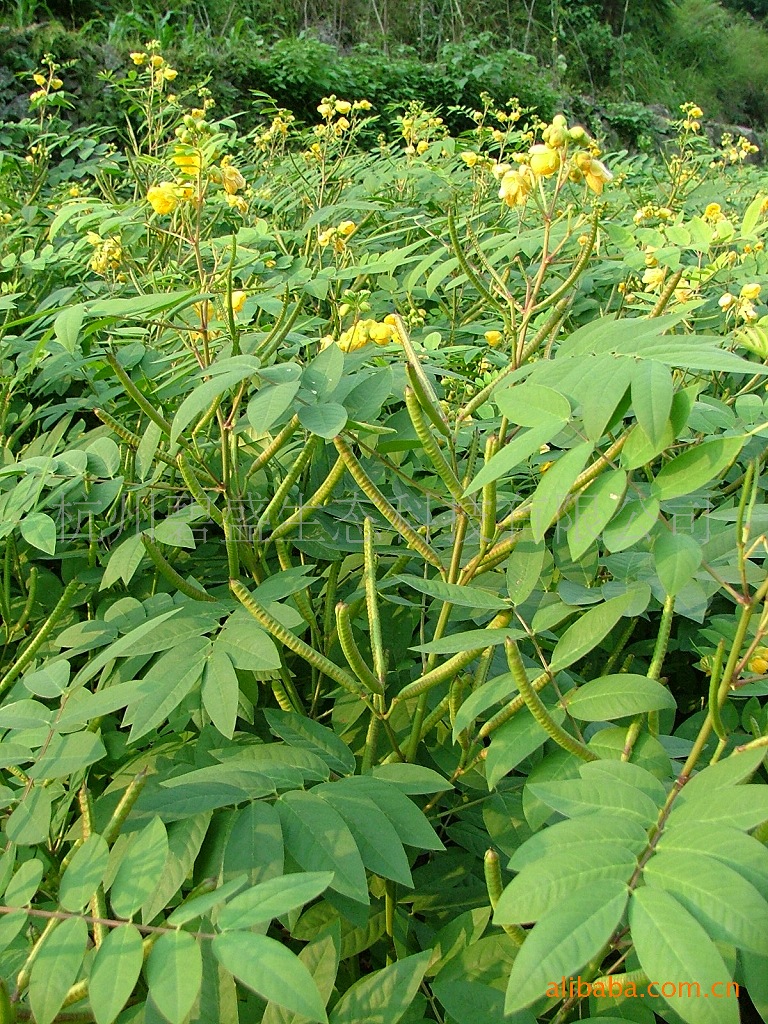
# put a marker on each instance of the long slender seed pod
(317, 500)
(278, 333)
(433, 719)
(466, 266)
(40, 637)
(510, 709)
(416, 372)
(372, 602)
(294, 643)
(621, 981)
(167, 571)
(371, 491)
(488, 514)
(352, 652)
(536, 341)
(230, 542)
(659, 653)
(111, 830)
(539, 711)
(278, 441)
(275, 506)
(578, 266)
(29, 603)
(495, 887)
(195, 488)
(22, 978)
(714, 690)
(139, 399)
(666, 294)
(621, 643)
(434, 454)
(446, 672)
(5, 590)
(329, 618)
(370, 750)
(424, 398)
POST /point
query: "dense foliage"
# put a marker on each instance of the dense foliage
(382, 577)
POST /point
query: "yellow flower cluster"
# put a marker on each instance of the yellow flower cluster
(742, 306)
(652, 212)
(362, 333)
(758, 663)
(337, 236)
(553, 156)
(692, 114)
(734, 152)
(713, 213)
(107, 253)
(160, 71)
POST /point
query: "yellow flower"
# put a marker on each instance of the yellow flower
(188, 162)
(515, 187)
(725, 302)
(238, 301)
(341, 125)
(347, 228)
(156, 60)
(325, 109)
(470, 158)
(494, 338)
(38, 94)
(39, 79)
(654, 278)
(343, 106)
(56, 83)
(362, 105)
(163, 198)
(695, 111)
(597, 175)
(139, 58)
(169, 74)
(74, 191)
(326, 237)
(544, 160)
(381, 333)
(758, 663)
(750, 292)
(422, 147)
(231, 178)
(713, 212)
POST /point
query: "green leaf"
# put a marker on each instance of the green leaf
(596, 829)
(318, 839)
(515, 453)
(305, 733)
(84, 873)
(67, 754)
(694, 469)
(564, 940)
(415, 779)
(39, 530)
(484, 697)
(23, 885)
(514, 741)
(140, 868)
(588, 631)
(174, 974)
(629, 774)
(326, 420)
(272, 971)
(652, 394)
(729, 908)
(471, 985)
(677, 557)
(742, 807)
(542, 886)
(671, 944)
(594, 509)
(634, 522)
(167, 683)
(115, 971)
(269, 403)
(220, 691)
(524, 567)
(409, 822)
(56, 967)
(617, 696)
(377, 840)
(31, 819)
(204, 394)
(452, 593)
(554, 487)
(574, 797)
(741, 852)
(531, 405)
(324, 372)
(67, 325)
(272, 899)
(321, 958)
(185, 838)
(383, 996)
(731, 771)
(255, 844)
(755, 971)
